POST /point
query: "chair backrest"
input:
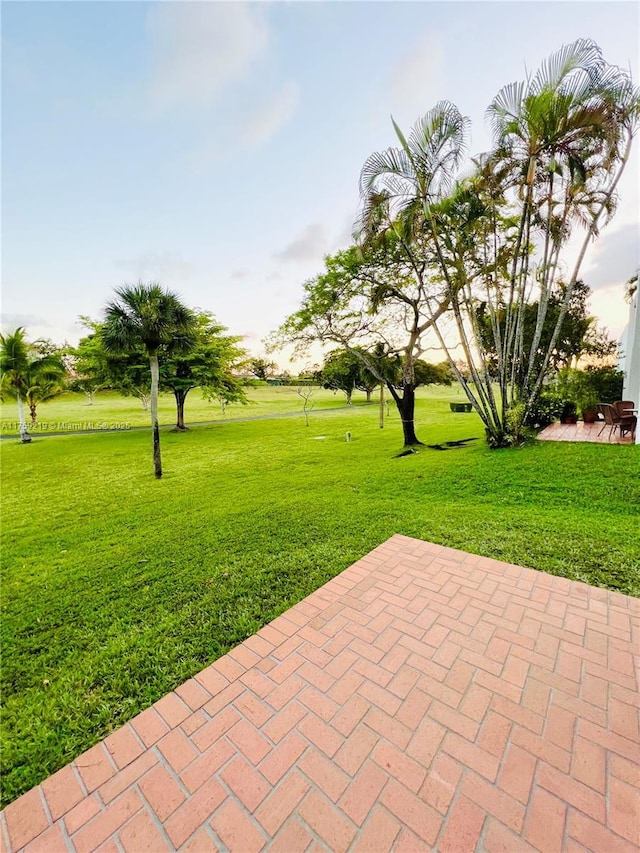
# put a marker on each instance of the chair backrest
(609, 413)
(624, 408)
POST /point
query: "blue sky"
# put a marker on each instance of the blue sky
(216, 147)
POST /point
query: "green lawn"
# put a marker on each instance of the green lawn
(71, 412)
(117, 587)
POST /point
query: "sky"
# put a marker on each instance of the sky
(216, 147)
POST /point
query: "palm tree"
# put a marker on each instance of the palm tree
(14, 366)
(147, 315)
(28, 375)
(561, 142)
(562, 139)
(41, 390)
(401, 188)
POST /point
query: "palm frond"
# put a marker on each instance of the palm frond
(582, 55)
(148, 316)
(392, 161)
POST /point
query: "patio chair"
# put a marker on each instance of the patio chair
(614, 420)
(624, 407)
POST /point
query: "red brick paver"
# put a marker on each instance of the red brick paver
(584, 432)
(423, 699)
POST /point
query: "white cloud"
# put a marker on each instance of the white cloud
(9, 322)
(417, 81)
(239, 274)
(165, 267)
(614, 258)
(310, 244)
(275, 113)
(199, 48)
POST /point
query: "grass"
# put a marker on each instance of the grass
(71, 412)
(117, 587)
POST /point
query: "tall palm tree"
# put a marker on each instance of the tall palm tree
(27, 375)
(563, 138)
(149, 316)
(401, 190)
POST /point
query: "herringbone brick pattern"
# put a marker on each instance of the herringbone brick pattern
(423, 699)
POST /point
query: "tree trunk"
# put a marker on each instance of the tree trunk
(406, 407)
(180, 396)
(348, 393)
(33, 412)
(24, 433)
(155, 377)
(368, 393)
(381, 421)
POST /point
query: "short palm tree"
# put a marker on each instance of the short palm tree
(41, 390)
(149, 316)
(27, 375)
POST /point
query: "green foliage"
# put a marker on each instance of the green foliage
(484, 253)
(29, 372)
(587, 388)
(343, 370)
(547, 409)
(367, 301)
(147, 316)
(515, 422)
(41, 390)
(207, 365)
(432, 374)
(106, 608)
(96, 367)
(606, 383)
(579, 333)
(513, 433)
(262, 368)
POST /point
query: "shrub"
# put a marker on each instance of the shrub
(547, 409)
(606, 383)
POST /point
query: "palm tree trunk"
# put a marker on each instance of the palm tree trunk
(381, 421)
(155, 379)
(24, 433)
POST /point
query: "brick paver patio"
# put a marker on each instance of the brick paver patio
(423, 699)
(584, 432)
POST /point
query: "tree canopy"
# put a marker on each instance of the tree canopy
(472, 253)
(207, 365)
